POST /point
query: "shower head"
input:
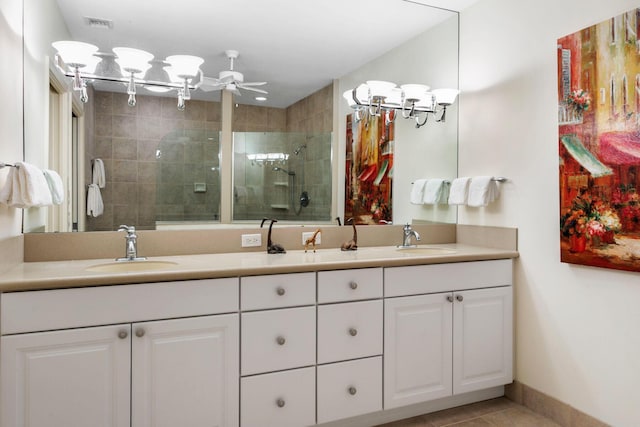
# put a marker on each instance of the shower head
(290, 173)
(300, 148)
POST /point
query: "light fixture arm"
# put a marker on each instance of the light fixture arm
(419, 124)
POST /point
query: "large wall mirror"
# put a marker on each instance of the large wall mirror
(231, 159)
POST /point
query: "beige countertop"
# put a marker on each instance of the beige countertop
(66, 274)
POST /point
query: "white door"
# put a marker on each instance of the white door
(186, 372)
(67, 378)
(483, 339)
(417, 349)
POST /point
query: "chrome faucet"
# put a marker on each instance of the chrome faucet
(407, 232)
(131, 247)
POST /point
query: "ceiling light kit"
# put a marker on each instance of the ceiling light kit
(412, 101)
(134, 67)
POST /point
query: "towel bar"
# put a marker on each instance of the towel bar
(8, 165)
(497, 179)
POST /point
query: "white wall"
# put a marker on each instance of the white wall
(428, 152)
(577, 328)
(11, 96)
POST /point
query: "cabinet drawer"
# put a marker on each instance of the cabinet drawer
(278, 339)
(426, 279)
(349, 285)
(350, 388)
(278, 290)
(103, 305)
(282, 399)
(349, 331)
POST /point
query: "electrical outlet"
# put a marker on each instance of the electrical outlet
(308, 234)
(251, 240)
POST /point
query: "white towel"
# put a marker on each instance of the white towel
(95, 206)
(26, 187)
(435, 191)
(56, 187)
(417, 191)
(98, 176)
(482, 191)
(459, 191)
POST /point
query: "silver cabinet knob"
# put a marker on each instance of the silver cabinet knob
(352, 390)
(123, 334)
(281, 291)
(280, 340)
(353, 285)
(449, 298)
(353, 332)
(280, 402)
(459, 297)
(139, 332)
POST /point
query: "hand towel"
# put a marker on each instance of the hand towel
(459, 191)
(417, 191)
(28, 187)
(97, 175)
(56, 187)
(95, 206)
(482, 191)
(433, 191)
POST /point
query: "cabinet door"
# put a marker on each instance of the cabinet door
(186, 372)
(417, 349)
(483, 339)
(68, 378)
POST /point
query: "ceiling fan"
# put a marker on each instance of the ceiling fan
(230, 80)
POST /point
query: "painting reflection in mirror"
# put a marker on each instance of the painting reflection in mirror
(369, 168)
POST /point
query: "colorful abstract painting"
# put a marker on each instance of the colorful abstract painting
(369, 169)
(599, 144)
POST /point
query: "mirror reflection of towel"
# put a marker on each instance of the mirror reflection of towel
(417, 191)
(56, 187)
(95, 206)
(436, 191)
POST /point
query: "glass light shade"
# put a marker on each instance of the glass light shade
(445, 96)
(185, 66)
(414, 92)
(157, 74)
(362, 93)
(379, 88)
(75, 54)
(394, 99)
(133, 60)
(107, 67)
(91, 65)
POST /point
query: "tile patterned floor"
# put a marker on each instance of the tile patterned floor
(500, 412)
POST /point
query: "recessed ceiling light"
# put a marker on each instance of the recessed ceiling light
(261, 98)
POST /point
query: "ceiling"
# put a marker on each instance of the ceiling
(297, 46)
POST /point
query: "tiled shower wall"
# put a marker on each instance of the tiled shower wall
(127, 139)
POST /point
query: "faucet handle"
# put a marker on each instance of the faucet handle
(129, 229)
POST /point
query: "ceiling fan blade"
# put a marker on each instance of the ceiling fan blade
(210, 83)
(242, 86)
(254, 83)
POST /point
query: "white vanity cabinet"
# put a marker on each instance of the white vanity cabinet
(135, 372)
(451, 334)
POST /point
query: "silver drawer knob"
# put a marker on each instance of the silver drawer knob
(280, 340)
(123, 334)
(352, 390)
(459, 297)
(353, 285)
(139, 332)
(449, 298)
(280, 402)
(280, 291)
(353, 332)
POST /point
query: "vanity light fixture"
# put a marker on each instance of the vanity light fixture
(83, 62)
(412, 101)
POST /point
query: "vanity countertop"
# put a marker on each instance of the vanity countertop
(67, 274)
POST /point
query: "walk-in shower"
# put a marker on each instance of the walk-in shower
(303, 200)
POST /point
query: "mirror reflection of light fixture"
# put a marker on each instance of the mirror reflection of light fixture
(412, 101)
(133, 67)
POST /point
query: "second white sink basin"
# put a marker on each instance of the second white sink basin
(130, 266)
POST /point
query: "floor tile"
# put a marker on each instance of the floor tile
(518, 417)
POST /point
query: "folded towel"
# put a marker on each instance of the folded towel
(97, 175)
(435, 191)
(56, 187)
(482, 191)
(95, 206)
(417, 191)
(459, 191)
(26, 187)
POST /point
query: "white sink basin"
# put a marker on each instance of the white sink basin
(130, 266)
(426, 250)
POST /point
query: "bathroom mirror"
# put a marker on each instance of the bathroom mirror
(394, 40)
